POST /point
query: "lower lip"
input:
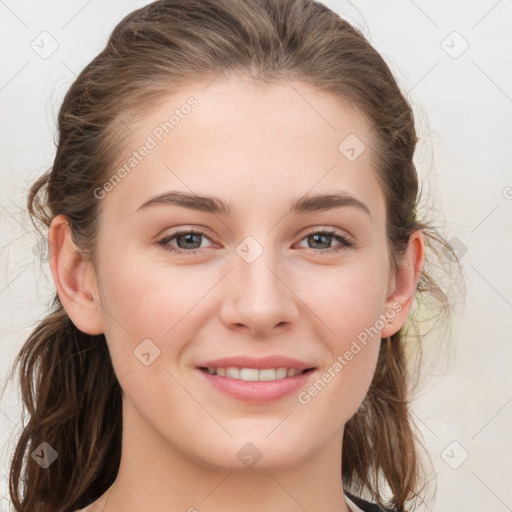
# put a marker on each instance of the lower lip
(257, 391)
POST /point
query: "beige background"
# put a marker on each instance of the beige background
(463, 101)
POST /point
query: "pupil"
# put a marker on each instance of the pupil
(189, 238)
(318, 236)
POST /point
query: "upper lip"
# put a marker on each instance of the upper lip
(273, 361)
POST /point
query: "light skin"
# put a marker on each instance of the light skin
(258, 148)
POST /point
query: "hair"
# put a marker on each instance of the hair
(68, 384)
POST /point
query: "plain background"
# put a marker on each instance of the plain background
(453, 59)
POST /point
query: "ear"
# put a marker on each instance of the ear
(402, 285)
(74, 277)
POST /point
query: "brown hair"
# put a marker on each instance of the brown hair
(68, 385)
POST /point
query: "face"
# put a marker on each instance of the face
(238, 273)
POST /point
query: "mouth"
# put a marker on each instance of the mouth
(255, 380)
(255, 374)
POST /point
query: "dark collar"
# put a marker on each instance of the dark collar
(366, 505)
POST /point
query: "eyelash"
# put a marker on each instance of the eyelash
(344, 242)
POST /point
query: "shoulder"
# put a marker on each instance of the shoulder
(366, 506)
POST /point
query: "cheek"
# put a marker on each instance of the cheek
(334, 397)
(349, 303)
(348, 299)
(152, 295)
(352, 339)
(141, 302)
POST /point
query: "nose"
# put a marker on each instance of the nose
(259, 297)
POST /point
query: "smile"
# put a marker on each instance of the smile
(255, 374)
(256, 380)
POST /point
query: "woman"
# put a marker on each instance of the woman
(235, 246)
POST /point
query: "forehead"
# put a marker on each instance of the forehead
(246, 140)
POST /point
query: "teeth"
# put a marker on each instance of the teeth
(232, 372)
(267, 374)
(281, 373)
(249, 374)
(253, 374)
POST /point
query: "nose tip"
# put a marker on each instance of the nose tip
(258, 297)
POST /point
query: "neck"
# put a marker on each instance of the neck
(153, 475)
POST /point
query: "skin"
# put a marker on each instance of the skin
(258, 148)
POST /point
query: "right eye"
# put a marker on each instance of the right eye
(186, 240)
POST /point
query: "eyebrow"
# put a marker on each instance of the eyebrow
(208, 204)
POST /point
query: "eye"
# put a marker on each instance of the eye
(188, 241)
(324, 238)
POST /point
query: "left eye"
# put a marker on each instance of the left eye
(190, 241)
(317, 237)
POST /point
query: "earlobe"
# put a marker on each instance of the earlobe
(74, 278)
(408, 273)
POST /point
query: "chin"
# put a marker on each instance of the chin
(254, 454)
